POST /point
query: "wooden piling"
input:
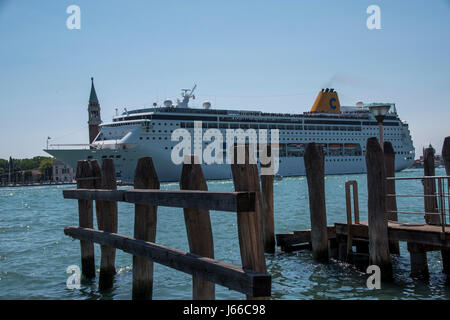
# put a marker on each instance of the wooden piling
(245, 178)
(430, 188)
(145, 218)
(391, 202)
(445, 154)
(419, 263)
(315, 174)
(108, 223)
(97, 179)
(376, 189)
(267, 201)
(198, 227)
(86, 219)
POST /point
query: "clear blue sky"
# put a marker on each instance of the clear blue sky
(256, 55)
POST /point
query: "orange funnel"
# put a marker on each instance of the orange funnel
(327, 101)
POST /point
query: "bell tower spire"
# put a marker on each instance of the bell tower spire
(94, 114)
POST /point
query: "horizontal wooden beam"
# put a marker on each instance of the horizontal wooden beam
(94, 194)
(193, 199)
(227, 275)
(300, 236)
(410, 232)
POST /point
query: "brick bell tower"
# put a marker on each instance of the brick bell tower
(94, 114)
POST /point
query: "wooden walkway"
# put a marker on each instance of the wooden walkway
(419, 233)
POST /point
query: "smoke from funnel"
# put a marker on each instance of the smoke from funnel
(340, 80)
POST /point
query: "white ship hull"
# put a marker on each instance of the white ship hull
(167, 171)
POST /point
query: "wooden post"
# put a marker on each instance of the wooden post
(108, 223)
(267, 201)
(376, 189)
(430, 188)
(342, 251)
(86, 219)
(97, 179)
(445, 154)
(315, 175)
(245, 178)
(198, 227)
(391, 202)
(145, 218)
(419, 264)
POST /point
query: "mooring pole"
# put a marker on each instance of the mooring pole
(198, 227)
(109, 224)
(391, 201)
(315, 175)
(445, 154)
(430, 189)
(86, 218)
(378, 228)
(267, 201)
(145, 218)
(250, 226)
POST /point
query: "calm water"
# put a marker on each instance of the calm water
(34, 252)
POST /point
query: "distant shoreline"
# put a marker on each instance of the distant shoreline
(37, 184)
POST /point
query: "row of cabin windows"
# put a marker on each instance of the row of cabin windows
(269, 126)
(209, 125)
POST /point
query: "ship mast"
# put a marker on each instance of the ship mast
(186, 94)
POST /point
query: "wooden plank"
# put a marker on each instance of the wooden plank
(198, 227)
(301, 236)
(376, 190)
(315, 175)
(235, 278)
(268, 214)
(86, 219)
(203, 200)
(92, 194)
(391, 202)
(108, 223)
(250, 228)
(145, 218)
(288, 239)
(429, 187)
(410, 232)
(267, 203)
(97, 175)
(305, 235)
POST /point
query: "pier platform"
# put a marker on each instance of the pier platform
(424, 234)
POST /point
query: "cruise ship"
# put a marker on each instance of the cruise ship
(342, 131)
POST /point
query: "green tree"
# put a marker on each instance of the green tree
(46, 168)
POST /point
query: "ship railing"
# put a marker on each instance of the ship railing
(84, 145)
(436, 199)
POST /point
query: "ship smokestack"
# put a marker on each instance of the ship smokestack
(327, 101)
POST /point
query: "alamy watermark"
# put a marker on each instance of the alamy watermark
(73, 22)
(74, 280)
(219, 150)
(374, 280)
(373, 22)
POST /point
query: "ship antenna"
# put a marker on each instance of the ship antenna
(186, 94)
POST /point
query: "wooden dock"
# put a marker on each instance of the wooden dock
(423, 234)
(374, 241)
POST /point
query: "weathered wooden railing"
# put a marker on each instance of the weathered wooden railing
(100, 185)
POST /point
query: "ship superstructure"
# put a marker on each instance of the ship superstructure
(341, 130)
